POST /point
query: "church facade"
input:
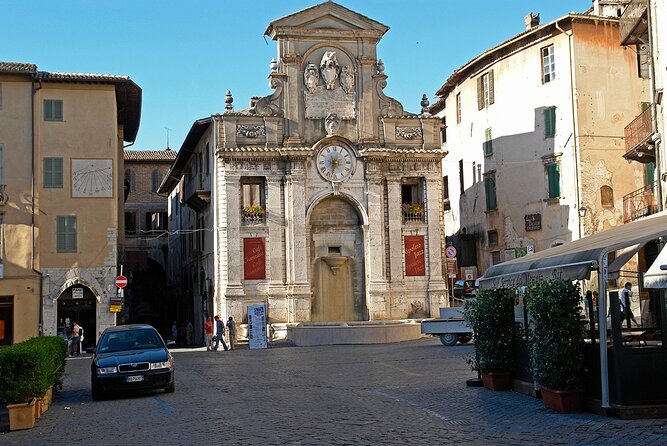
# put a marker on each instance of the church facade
(326, 195)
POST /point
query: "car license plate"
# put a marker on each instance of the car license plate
(134, 379)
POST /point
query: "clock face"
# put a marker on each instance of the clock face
(335, 163)
(92, 178)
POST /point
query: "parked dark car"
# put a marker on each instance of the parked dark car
(464, 288)
(131, 357)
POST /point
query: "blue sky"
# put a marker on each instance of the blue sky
(186, 54)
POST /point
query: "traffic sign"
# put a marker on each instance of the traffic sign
(121, 281)
(450, 252)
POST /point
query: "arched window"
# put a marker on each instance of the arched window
(607, 197)
(130, 180)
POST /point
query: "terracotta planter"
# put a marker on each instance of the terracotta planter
(38, 408)
(46, 400)
(21, 416)
(563, 400)
(497, 380)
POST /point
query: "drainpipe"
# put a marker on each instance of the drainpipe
(654, 112)
(35, 88)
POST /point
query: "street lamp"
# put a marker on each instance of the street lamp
(582, 212)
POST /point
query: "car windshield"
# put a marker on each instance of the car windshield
(130, 340)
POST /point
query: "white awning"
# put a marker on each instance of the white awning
(574, 260)
(656, 276)
(622, 258)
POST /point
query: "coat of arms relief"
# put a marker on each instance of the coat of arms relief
(330, 89)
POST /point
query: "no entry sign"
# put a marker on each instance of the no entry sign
(121, 281)
(450, 252)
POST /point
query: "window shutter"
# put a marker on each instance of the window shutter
(491, 95)
(490, 189)
(553, 179)
(549, 122)
(480, 93)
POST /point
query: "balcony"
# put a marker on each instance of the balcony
(413, 212)
(640, 203)
(253, 215)
(638, 144)
(633, 25)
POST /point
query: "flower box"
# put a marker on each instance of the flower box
(21, 416)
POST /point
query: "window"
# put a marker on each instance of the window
(156, 221)
(443, 131)
(492, 237)
(461, 176)
(485, 96)
(155, 180)
(130, 180)
(445, 192)
(553, 180)
(479, 172)
(53, 110)
(252, 199)
(549, 122)
(488, 142)
(548, 64)
(490, 190)
(458, 108)
(66, 233)
(607, 197)
(495, 257)
(412, 199)
(53, 173)
(130, 223)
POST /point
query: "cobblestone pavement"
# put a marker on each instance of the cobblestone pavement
(407, 393)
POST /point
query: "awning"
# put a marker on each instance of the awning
(574, 260)
(656, 276)
(622, 258)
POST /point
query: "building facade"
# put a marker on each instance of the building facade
(326, 197)
(534, 138)
(62, 137)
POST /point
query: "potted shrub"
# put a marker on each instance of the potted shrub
(490, 317)
(557, 343)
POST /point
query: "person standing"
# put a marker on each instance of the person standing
(626, 296)
(219, 334)
(174, 331)
(188, 332)
(76, 340)
(208, 331)
(231, 330)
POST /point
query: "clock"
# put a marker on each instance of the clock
(92, 178)
(335, 163)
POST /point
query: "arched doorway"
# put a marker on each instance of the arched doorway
(78, 303)
(337, 262)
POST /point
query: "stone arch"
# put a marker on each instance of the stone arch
(78, 277)
(356, 204)
(315, 48)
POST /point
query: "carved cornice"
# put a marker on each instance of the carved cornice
(408, 132)
(291, 58)
(250, 131)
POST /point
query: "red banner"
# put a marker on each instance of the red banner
(254, 258)
(414, 255)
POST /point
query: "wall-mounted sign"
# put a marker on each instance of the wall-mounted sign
(452, 268)
(533, 222)
(530, 249)
(77, 293)
(414, 255)
(254, 258)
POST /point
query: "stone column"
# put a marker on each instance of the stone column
(375, 251)
(436, 283)
(395, 230)
(274, 218)
(232, 242)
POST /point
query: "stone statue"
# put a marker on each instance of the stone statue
(311, 77)
(329, 67)
(331, 124)
(347, 79)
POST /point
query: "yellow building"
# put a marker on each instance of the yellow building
(61, 151)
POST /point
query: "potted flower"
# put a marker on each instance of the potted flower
(490, 317)
(413, 208)
(253, 213)
(557, 343)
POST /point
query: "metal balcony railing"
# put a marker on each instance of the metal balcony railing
(639, 130)
(640, 203)
(253, 215)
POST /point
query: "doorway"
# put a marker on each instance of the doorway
(78, 304)
(6, 320)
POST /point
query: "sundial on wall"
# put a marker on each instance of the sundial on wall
(92, 178)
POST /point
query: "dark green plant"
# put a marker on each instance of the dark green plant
(557, 337)
(490, 317)
(29, 368)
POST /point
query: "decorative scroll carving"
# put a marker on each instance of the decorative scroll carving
(388, 106)
(269, 105)
(250, 131)
(408, 132)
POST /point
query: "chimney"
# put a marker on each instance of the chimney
(532, 21)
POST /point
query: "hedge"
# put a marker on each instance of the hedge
(29, 368)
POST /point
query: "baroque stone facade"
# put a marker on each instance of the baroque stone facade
(328, 193)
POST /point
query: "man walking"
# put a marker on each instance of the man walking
(219, 334)
(626, 312)
(231, 329)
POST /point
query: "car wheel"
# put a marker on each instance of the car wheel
(97, 392)
(171, 387)
(449, 339)
(464, 338)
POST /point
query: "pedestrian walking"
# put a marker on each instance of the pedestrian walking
(208, 332)
(626, 311)
(75, 344)
(188, 332)
(231, 331)
(219, 334)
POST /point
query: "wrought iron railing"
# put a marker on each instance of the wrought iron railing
(639, 130)
(253, 215)
(640, 203)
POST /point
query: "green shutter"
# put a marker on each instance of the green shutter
(492, 98)
(488, 142)
(650, 173)
(490, 189)
(550, 122)
(53, 173)
(480, 93)
(66, 233)
(553, 179)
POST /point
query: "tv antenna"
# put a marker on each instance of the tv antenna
(168, 130)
